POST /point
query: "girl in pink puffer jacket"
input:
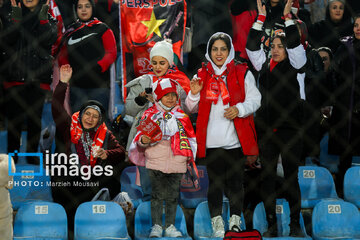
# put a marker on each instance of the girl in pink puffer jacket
(164, 143)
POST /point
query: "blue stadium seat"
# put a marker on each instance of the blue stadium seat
(30, 188)
(100, 220)
(335, 219)
(118, 104)
(41, 220)
(48, 129)
(3, 142)
(327, 160)
(352, 186)
(127, 181)
(191, 197)
(283, 220)
(316, 183)
(143, 222)
(202, 221)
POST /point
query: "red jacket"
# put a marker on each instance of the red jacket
(245, 127)
(241, 28)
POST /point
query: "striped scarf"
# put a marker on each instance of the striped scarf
(76, 132)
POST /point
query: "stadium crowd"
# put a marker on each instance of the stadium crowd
(259, 82)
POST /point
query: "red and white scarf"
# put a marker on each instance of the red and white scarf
(76, 131)
(216, 86)
(175, 124)
(176, 75)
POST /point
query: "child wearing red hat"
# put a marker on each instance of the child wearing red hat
(165, 159)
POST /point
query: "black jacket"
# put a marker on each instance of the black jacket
(281, 105)
(30, 43)
(326, 33)
(345, 119)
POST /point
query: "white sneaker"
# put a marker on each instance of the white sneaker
(235, 220)
(156, 231)
(171, 231)
(218, 227)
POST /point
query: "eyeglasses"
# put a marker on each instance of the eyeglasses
(94, 116)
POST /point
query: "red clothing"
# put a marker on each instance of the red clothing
(241, 28)
(114, 150)
(245, 127)
(90, 49)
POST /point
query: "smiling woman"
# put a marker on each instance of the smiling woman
(84, 134)
(31, 4)
(138, 100)
(337, 24)
(279, 120)
(224, 95)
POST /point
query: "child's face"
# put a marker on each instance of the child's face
(169, 100)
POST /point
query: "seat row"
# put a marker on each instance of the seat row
(316, 183)
(332, 219)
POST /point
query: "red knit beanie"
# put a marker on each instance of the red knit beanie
(163, 87)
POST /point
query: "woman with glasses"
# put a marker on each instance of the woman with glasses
(86, 135)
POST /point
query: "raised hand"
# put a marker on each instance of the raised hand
(196, 85)
(13, 4)
(261, 8)
(43, 14)
(16, 11)
(287, 7)
(65, 73)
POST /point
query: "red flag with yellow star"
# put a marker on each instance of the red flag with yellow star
(143, 23)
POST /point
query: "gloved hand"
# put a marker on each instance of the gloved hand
(141, 100)
(16, 12)
(43, 14)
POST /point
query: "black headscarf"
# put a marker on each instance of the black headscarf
(102, 113)
(93, 8)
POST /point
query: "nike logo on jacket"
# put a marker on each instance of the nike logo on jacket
(76, 40)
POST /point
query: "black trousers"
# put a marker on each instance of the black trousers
(288, 143)
(225, 169)
(24, 103)
(165, 188)
(345, 163)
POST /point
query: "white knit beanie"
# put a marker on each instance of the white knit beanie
(163, 49)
